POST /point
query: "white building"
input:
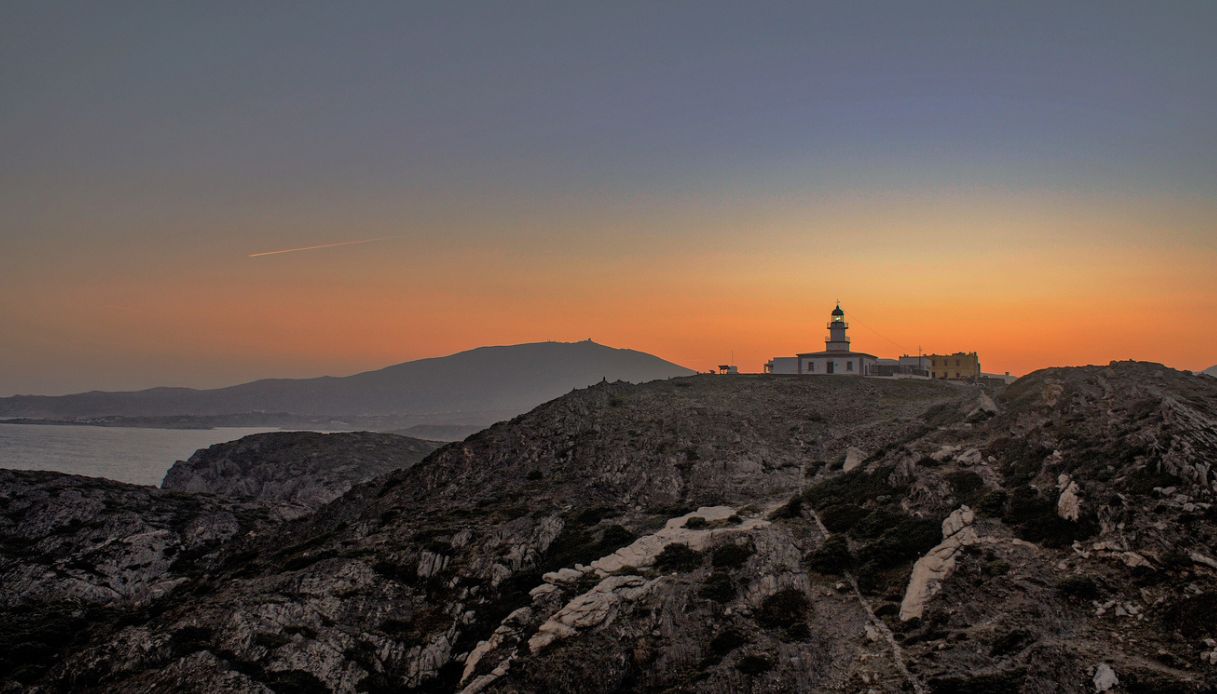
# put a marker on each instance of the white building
(782, 365)
(836, 359)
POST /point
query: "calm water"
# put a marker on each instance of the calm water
(139, 456)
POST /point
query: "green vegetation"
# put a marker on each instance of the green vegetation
(726, 641)
(732, 555)
(833, 557)
(966, 486)
(839, 518)
(785, 609)
(718, 587)
(678, 557)
(613, 538)
(1020, 460)
(791, 509)
(754, 664)
(1000, 682)
(1078, 588)
(1011, 642)
(1195, 616)
(1035, 519)
(856, 487)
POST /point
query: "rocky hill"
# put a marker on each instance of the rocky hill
(476, 387)
(734, 533)
(300, 468)
(78, 549)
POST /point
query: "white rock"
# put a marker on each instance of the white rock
(642, 552)
(1104, 678)
(1201, 559)
(596, 607)
(853, 459)
(971, 456)
(1069, 505)
(937, 564)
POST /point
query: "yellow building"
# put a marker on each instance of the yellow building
(960, 366)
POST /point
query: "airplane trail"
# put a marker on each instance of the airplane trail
(319, 246)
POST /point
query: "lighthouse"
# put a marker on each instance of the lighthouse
(838, 357)
(837, 340)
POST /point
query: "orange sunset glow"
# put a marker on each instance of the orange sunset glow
(1019, 204)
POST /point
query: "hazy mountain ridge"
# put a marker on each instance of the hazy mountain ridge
(735, 533)
(478, 386)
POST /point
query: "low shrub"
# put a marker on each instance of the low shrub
(754, 664)
(1035, 519)
(1011, 642)
(783, 609)
(726, 641)
(614, 537)
(993, 504)
(1000, 682)
(718, 587)
(967, 486)
(839, 518)
(731, 555)
(854, 487)
(833, 557)
(678, 557)
(902, 542)
(695, 523)
(877, 522)
(1078, 588)
(790, 509)
(1194, 616)
(595, 514)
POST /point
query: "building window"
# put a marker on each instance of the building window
(849, 365)
(811, 367)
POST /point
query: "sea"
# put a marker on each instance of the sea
(134, 455)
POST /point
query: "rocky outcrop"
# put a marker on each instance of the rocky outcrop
(89, 540)
(1068, 504)
(700, 534)
(77, 551)
(937, 565)
(301, 468)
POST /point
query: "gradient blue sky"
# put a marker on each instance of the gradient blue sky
(690, 179)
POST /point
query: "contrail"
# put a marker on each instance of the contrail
(324, 245)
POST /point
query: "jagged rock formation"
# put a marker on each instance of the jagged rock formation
(301, 468)
(76, 549)
(937, 564)
(700, 534)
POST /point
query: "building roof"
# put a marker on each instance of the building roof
(837, 354)
(837, 311)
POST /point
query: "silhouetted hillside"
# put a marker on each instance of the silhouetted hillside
(478, 386)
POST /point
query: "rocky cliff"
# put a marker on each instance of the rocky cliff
(300, 468)
(74, 549)
(735, 533)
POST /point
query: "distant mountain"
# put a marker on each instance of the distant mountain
(478, 386)
(1211, 371)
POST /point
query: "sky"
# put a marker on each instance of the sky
(1036, 182)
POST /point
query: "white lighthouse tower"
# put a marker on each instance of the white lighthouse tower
(837, 340)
